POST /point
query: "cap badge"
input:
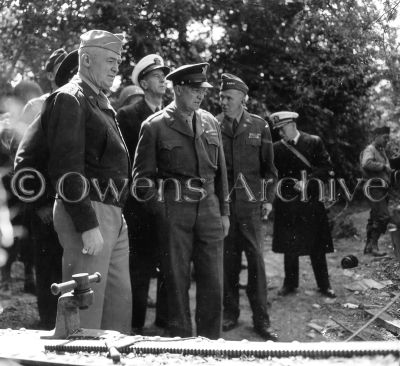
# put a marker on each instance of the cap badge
(157, 61)
(204, 70)
(276, 119)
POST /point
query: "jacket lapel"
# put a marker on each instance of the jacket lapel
(175, 121)
(245, 121)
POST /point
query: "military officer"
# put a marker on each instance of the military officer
(301, 223)
(375, 164)
(149, 74)
(249, 159)
(180, 150)
(85, 144)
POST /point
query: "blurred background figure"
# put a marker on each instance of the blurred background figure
(22, 248)
(130, 95)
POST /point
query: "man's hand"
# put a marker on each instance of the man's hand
(92, 241)
(266, 210)
(225, 225)
(45, 214)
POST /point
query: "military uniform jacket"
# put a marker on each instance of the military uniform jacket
(167, 149)
(83, 137)
(301, 227)
(249, 153)
(130, 119)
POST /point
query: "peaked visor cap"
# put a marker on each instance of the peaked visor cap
(230, 81)
(193, 75)
(282, 118)
(102, 39)
(146, 65)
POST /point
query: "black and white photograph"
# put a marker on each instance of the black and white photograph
(200, 182)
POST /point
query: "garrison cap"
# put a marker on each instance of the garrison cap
(193, 75)
(383, 130)
(147, 64)
(282, 118)
(230, 81)
(102, 39)
(67, 68)
(55, 58)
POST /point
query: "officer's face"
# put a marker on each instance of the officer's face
(231, 101)
(190, 97)
(154, 82)
(102, 66)
(287, 132)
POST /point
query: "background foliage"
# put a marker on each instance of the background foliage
(335, 62)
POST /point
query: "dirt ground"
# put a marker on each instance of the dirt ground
(305, 316)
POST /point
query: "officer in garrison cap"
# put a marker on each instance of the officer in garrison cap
(148, 74)
(375, 164)
(301, 223)
(180, 150)
(249, 160)
(87, 154)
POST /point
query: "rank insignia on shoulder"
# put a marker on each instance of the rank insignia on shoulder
(253, 135)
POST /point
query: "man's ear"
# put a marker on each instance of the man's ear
(143, 84)
(178, 89)
(85, 59)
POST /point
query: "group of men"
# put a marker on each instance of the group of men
(193, 189)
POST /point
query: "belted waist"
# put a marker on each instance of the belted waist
(194, 189)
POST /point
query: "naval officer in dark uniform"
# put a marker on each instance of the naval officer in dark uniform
(149, 74)
(180, 155)
(301, 224)
(249, 160)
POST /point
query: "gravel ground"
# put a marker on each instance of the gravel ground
(304, 317)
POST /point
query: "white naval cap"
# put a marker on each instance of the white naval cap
(280, 119)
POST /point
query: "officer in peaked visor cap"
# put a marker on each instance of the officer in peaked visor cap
(301, 225)
(148, 75)
(182, 147)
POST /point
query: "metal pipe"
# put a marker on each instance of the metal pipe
(206, 347)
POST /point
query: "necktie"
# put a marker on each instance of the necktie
(235, 125)
(156, 110)
(194, 124)
(291, 142)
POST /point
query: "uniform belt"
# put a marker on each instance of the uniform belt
(192, 191)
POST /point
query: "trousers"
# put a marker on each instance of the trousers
(245, 235)
(112, 304)
(193, 232)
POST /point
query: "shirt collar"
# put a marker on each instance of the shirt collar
(152, 106)
(238, 116)
(296, 138)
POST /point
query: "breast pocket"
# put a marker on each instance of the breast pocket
(171, 154)
(255, 142)
(212, 147)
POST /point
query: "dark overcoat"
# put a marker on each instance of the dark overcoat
(301, 224)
